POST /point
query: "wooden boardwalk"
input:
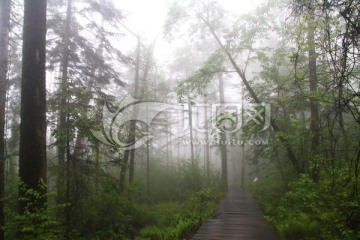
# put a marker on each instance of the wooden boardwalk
(237, 217)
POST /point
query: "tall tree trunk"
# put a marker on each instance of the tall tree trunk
(207, 144)
(178, 137)
(314, 110)
(132, 129)
(191, 133)
(144, 90)
(168, 139)
(5, 7)
(62, 138)
(130, 154)
(32, 156)
(148, 168)
(139, 92)
(68, 183)
(223, 143)
(97, 166)
(242, 184)
(97, 143)
(242, 166)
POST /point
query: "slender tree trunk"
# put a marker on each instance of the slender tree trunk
(207, 144)
(242, 166)
(97, 166)
(144, 90)
(242, 145)
(130, 154)
(63, 144)
(62, 138)
(191, 134)
(168, 140)
(148, 168)
(223, 143)
(314, 110)
(5, 7)
(132, 128)
(68, 183)
(356, 169)
(178, 137)
(132, 161)
(32, 156)
(97, 143)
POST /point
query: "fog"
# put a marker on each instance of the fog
(145, 119)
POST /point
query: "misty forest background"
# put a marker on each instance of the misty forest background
(57, 181)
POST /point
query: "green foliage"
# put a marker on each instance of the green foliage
(308, 210)
(182, 230)
(196, 83)
(108, 215)
(179, 180)
(180, 199)
(180, 220)
(37, 223)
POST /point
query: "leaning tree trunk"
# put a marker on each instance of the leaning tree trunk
(32, 151)
(5, 7)
(291, 155)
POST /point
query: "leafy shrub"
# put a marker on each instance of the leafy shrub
(37, 223)
(321, 210)
(109, 215)
(184, 229)
(180, 220)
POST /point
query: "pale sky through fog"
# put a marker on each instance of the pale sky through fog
(148, 16)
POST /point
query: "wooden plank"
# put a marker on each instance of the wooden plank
(238, 217)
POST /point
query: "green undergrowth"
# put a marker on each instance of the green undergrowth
(180, 220)
(179, 200)
(37, 222)
(304, 210)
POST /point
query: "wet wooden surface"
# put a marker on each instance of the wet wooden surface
(238, 217)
